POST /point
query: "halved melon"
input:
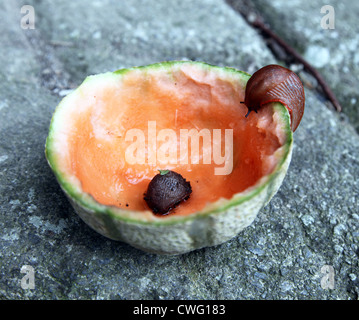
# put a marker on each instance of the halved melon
(109, 138)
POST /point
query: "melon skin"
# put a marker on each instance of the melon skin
(175, 235)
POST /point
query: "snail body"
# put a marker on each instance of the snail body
(274, 83)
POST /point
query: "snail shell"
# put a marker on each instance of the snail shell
(274, 83)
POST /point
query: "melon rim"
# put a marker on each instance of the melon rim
(87, 202)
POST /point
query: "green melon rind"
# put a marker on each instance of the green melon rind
(175, 234)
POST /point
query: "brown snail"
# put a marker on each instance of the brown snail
(167, 190)
(274, 83)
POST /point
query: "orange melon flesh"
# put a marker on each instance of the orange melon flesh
(184, 98)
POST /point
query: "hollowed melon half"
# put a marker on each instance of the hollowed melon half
(94, 149)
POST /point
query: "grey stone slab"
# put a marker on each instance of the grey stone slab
(106, 35)
(311, 222)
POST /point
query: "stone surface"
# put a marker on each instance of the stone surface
(311, 222)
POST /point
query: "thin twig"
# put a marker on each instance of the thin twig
(326, 89)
